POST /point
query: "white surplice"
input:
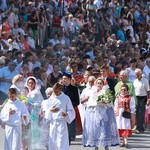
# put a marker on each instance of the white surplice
(58, 136)
(13, 123)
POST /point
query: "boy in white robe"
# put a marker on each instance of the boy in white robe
(60, 113)
(12, 115)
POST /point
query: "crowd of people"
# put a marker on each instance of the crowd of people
(59, 59)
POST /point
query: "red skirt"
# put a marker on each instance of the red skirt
(78, 122)
(124, 132)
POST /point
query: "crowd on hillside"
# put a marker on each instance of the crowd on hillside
(78, 48)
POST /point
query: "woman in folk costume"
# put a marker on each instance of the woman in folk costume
(13, 114)
(44, 124)
(35, 99)
(59, 113)
(124, 102)
(100, 127)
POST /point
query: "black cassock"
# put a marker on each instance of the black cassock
(73, 94)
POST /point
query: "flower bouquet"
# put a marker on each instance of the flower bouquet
(79, 82)
(105, 98)
(23, 99)
(26, 101)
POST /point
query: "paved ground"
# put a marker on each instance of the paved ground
(136, 142)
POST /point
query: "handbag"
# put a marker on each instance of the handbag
(126, 114)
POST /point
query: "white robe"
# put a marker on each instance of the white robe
(13, 124)
(58, 136)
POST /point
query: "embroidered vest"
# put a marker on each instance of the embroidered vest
(123, 102)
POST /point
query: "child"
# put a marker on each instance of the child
(12, 114)
(42, 121)
(124, 102)
(59, 113)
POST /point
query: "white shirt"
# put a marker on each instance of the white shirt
(72, 26)
(54, 42)
(86, 93)
(131, 73)
(65, 24)
(141, 87)
(98, 3)
(146, 72)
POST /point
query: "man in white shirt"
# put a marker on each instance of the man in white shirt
(54, 40)
(65, 24)
(146, 69)
(142, 92)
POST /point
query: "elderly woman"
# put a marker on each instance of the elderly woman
(100, 127)
(43, 122)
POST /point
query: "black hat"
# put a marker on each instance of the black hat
(133, 60)
(67, 74)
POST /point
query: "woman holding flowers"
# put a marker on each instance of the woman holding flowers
(124, 109)
(100, 127)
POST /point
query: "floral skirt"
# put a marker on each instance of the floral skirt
(100, 127)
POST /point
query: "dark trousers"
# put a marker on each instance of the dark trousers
(72, 130)
(140, 112)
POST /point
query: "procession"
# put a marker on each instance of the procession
(74, 70)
